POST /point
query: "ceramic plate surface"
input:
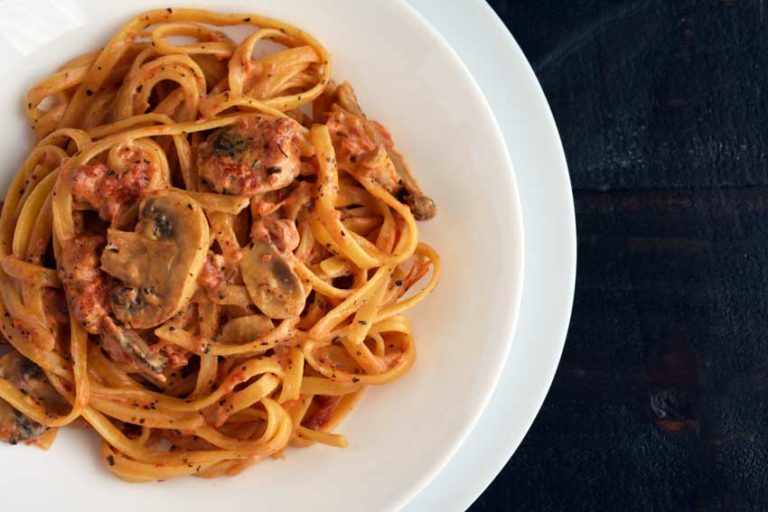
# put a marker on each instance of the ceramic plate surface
(401, 435)
(508, 82)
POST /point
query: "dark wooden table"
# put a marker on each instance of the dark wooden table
(660, 400)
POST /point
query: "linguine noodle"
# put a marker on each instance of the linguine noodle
(207, 255)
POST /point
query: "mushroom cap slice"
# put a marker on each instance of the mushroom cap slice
(271, 282)
(244, 329)
(159, 262)
(127, 344)
(30, 379)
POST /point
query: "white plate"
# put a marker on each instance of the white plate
(500, 68)
(402, 434)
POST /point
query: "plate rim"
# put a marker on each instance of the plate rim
(518, 272)
(488, 463)
(508, 326)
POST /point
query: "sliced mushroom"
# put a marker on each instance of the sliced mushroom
(245, 328)
(422, 206)
(271, 282)
(127, 346)
(158, 264)
(15, 427)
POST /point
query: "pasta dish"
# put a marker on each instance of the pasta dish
(207, 255)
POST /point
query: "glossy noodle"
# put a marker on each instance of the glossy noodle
(208, 253)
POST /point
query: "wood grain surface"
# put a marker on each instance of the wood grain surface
(661, 398)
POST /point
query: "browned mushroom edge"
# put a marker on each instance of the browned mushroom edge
(157, 265)
(271, 282)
